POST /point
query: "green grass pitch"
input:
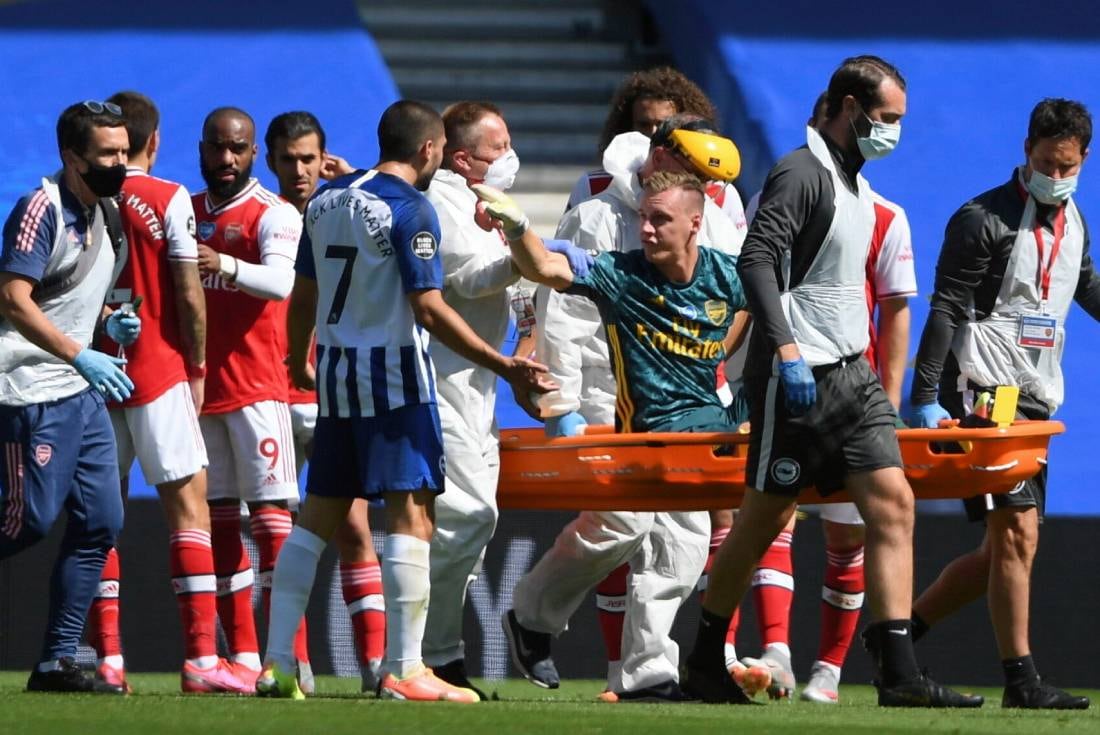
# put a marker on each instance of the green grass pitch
(157, 707)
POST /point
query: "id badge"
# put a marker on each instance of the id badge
(1037, 331)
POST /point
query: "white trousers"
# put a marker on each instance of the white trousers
(465, 518)
(666, 552)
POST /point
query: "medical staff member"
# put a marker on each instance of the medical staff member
(57, 262)
(1013, 261)
(479, 282)
(819, 414)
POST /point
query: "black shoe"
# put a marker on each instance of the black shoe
(923, 692)
(530, 652)
(69, 678)
(712, 686)
(666, 691)
(1039, 695)
(455, 673)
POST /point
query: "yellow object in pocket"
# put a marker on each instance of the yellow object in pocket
(1004, 405)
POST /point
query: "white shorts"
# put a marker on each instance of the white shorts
(163, 435)
(303, 420)
(251, 454)
(845, 513)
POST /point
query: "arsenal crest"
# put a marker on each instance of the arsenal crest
(716, 311)
(233, 231)
(43, 453)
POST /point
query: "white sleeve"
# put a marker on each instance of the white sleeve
(272, 278)
(895, 274)
(566, 323)
(473, 265)
(719, 231)
(179, 227)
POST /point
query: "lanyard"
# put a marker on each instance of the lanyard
(1046, 267)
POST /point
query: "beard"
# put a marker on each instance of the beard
(224, 189)
(424, 180)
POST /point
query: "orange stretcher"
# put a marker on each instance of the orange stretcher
(602, 470)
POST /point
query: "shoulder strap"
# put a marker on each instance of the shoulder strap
(113, 222)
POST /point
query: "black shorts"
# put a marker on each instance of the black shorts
(1028, 494)
(849, 429)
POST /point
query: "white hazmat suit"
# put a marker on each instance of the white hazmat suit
(477, 281)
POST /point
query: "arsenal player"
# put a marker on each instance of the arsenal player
(158, 424)
(248, 239)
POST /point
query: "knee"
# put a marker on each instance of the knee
(482, 523)
(1013, 533)
(354, 546)
(891, 511)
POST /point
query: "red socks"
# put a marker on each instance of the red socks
(773, 591)
(234, 580)
(193, 581)
(611, 608)
(270, 527)
(102, 624)
(841, 601)
(362, 586)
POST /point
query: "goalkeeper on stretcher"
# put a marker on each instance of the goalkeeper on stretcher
(669, 310)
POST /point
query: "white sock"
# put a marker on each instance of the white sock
(291, 584)
(405, 581)
(248, 659)
(782, 648)
(730, 652)
(52, 665)
(115, 661)
(203, 662)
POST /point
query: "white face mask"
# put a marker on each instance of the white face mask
(1051, 191)
(882, 139)
(502, 172)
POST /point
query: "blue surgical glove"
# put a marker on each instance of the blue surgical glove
(123, 328)
(928, 416)
(799, 386)
(104, 373)
(568, 424)
(579, 260)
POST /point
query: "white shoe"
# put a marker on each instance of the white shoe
(823, 686)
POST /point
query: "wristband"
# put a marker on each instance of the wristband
(196, 371)
(226, 274)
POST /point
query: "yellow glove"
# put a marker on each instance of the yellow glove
(502, 207)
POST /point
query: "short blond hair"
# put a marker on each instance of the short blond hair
(662, 181)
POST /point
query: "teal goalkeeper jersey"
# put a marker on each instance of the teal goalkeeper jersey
(664, 338)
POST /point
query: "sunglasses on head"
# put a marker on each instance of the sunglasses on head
(98, 108)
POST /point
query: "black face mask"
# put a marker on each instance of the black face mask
(104, 181)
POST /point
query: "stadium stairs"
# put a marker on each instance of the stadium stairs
(551, 66)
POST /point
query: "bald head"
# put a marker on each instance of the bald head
(220, 117)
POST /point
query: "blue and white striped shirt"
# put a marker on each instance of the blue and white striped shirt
(370, 239)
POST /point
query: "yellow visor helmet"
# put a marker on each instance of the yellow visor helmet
(713, 156)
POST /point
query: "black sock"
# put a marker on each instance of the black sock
(1019, 671)
(892, 645)
(710, 641)
(918, 626)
